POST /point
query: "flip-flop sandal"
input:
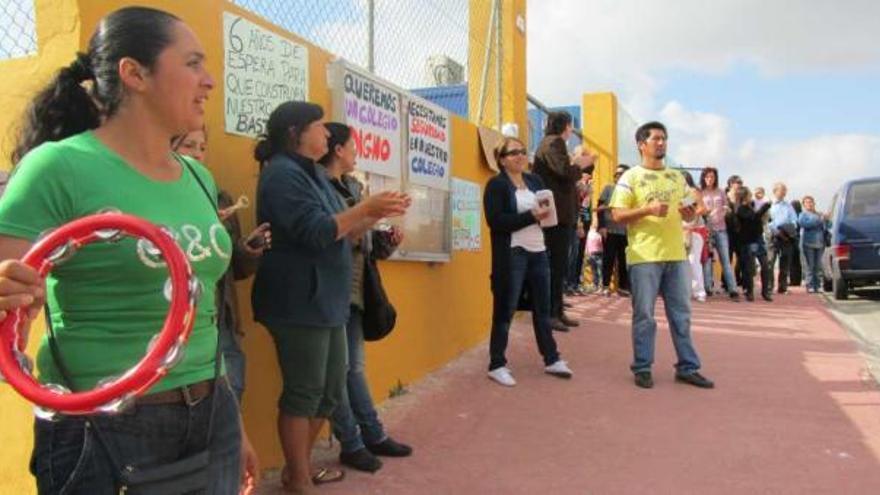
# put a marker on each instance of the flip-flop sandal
(325, 475)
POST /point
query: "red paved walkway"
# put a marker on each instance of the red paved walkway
(793, 413)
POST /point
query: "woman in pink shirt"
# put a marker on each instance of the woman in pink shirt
(716, 204)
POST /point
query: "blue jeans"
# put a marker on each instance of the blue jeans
(721, 242)
(596, 268)
(67, 458)
(534, 268)
(670, 280)
(813, 260)
(355, 420)
(233, 359)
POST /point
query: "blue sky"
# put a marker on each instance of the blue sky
(781, 107)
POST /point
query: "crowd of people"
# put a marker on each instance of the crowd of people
(736, 231)
(123, 126)
(655, 231)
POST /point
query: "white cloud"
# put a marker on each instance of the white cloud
(816, 166)
(626, 47)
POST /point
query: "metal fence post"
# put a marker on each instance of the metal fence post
(371, 35)
(499, 60)
(485, 76)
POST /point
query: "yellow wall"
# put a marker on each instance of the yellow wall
(444, 309)
(599, 117)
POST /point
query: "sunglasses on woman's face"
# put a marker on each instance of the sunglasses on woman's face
(514, 153)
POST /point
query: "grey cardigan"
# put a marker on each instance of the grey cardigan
(305, 279)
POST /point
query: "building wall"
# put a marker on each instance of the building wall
(444, 308)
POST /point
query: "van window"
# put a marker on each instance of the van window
(863, 200)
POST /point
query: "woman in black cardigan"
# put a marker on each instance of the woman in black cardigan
(519, 259)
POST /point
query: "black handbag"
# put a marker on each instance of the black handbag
(379, 315)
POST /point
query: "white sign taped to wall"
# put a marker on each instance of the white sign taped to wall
(373, 110)
(261, 70)
(428, 156)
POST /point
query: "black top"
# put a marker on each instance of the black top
(499, 204)
(553, 165)
(751, 223)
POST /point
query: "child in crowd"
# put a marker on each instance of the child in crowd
(594, 248)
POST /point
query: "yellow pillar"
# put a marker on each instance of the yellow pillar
(513, 67)
(599, 126)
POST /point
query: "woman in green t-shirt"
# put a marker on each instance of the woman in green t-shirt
(80, 152)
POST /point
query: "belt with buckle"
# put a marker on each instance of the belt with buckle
(190, 394)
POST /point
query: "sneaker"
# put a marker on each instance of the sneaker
(734, 296)
(503, 376)
(767, 297)
(361, 459)
(701, 298)
(623, 293)
(606, 292)
(390, 448)
(694, 379)
(559, 368)
(750, 297)
(644, 379)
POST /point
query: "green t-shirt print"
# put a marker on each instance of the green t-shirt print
(107, 302)
(652, 239)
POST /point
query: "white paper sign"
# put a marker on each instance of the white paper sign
(373, 111)
(428, 156)
(261, 70)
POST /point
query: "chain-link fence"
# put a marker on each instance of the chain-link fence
(18, 32)
(411, 43)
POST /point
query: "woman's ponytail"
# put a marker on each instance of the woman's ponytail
(63, 108)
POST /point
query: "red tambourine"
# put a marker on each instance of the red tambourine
(165, 350)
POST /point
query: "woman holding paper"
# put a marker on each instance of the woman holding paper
(519, 258)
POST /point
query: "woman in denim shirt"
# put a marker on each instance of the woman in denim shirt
(302, 289)
(812, 225)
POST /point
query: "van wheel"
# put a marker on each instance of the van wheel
(826, 285)
(841, 291)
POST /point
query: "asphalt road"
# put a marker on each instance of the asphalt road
(860, 314)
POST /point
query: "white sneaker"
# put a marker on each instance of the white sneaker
(701, 298)
(559, 368)
(503, 376)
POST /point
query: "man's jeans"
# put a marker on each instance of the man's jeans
(721, 242)
(355, 420)
(558, 244)
(67, 457)
(534, 268)
(670, 280)
(813, 260)
(575, 261)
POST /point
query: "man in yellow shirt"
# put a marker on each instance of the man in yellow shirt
(652, 200)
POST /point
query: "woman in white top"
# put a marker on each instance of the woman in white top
(519, 259)
(695, 236)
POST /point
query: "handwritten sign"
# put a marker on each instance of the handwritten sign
(372, 109)
(428, 147)
(465, 215)
(260, 71)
